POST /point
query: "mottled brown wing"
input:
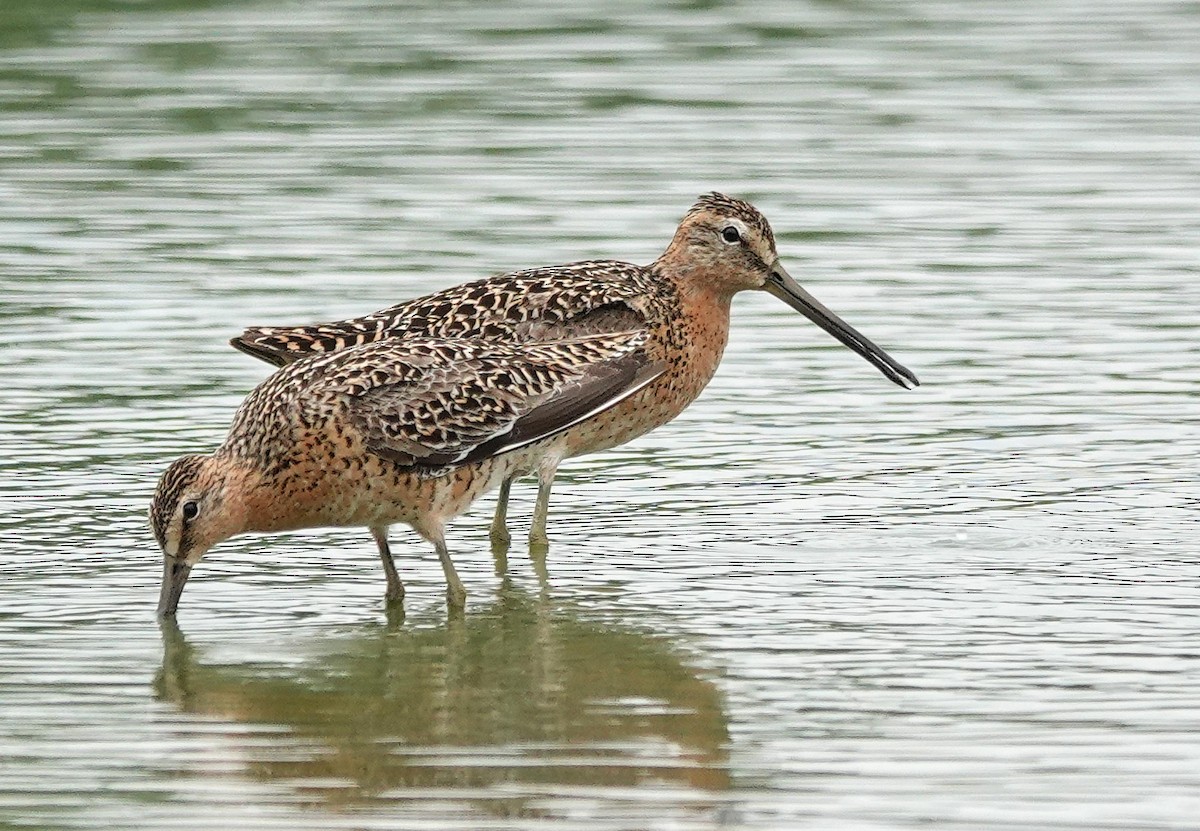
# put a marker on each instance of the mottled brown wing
(479, 400)
(585, 298)
(284, 345)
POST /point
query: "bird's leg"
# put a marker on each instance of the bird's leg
(537, 530)
(537, 556)
(499, 531)
(456, 595)
(500, 559)
(394, 614)
(395, 588)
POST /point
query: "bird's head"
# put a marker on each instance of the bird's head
(193, 509)
(726, 245)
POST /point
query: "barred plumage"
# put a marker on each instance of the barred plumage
(538, 304)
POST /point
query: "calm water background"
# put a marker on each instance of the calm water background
(815, 600)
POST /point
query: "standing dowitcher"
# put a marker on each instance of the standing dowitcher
(410, 431)
(681, 301)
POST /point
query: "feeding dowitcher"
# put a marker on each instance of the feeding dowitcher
(407, 431)
(680, 301)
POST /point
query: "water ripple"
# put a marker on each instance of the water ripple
(813, 600)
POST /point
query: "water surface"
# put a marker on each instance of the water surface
(815, 600)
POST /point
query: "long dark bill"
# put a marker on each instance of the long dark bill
(788, 290)
(175, 575)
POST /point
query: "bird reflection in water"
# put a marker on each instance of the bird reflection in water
(500, 709)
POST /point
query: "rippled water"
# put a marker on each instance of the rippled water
(815, 600)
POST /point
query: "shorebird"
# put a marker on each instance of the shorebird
(681, 303)
(409, 431)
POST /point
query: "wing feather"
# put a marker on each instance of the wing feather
(593, 297)
(469, 400)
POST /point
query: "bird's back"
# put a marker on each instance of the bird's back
(539, 304)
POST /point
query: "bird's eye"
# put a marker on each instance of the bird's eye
(730, 235)
(190, 509)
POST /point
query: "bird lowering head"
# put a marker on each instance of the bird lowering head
(191, 511)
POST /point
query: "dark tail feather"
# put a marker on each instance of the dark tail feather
(252, 345)
(285, 346)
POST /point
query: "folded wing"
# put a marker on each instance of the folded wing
(552, 303)
(458, 401)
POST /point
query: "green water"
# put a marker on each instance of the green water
(813, 601)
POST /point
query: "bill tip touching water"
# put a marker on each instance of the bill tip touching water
(409, 414)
